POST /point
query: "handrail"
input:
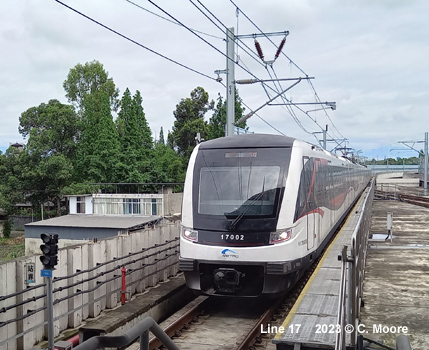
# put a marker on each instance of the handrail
(353, 265)
(341, 317)
(140, 330)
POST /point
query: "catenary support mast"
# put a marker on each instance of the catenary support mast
(230, 83)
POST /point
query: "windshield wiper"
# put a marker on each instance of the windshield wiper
(250, 205)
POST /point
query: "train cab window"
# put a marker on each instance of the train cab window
(232, 191)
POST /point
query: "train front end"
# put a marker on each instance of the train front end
(230, 242)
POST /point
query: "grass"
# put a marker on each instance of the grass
(11, 248)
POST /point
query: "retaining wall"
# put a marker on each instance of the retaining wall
(77, 295)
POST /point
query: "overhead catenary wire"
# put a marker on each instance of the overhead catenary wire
(261, 56)
(224, 31)
(153, 51)
(244, 68)
(291, 61)
(251, 53)
(136, 42)
(169, 20)
(254, 24)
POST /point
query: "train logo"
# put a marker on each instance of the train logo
(228, 253)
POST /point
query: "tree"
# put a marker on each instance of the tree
(135, 138)
(217, 122)
(11, 186)
(189, 116)
(168, 165)
(161, 138)
(98, 150)
(51, 128)
(46, 162)
(84, 80)
(45, 178)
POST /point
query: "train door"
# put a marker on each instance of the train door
(309, 173)
(314, 218)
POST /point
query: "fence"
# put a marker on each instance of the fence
(354, 265)
(395, 188)
(87, 281)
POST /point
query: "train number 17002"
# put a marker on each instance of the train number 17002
(230, 237)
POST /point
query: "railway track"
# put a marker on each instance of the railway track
(215, 323)
(227, 323)
(412, 199)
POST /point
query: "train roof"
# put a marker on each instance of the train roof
(249, 140)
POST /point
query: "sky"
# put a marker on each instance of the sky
(369, 57)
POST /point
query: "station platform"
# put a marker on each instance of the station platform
(311, 323)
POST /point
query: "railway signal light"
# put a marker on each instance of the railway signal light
(49, 250)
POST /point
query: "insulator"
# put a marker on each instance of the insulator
(258, 48)
(280, 48)
(246, 81)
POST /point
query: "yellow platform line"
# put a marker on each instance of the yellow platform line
(311, 279)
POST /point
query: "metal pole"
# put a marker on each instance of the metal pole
(426, 163)
(230, 83)
(124, 286)
(324, 136)
(144, 340)
(50, 309)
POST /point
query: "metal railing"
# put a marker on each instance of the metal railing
(140, 330)
(352, 274)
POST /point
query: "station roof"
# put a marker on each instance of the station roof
(98, 221)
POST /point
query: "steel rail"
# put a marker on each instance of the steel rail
(252, 337)
(182, 322)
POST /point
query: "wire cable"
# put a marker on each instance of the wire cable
(290, 110)
(135, 42)
(252, 54)
(169, 20)
(292, 62)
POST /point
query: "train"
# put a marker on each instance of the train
(257, 211)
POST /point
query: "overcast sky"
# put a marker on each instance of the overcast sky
(370, 57)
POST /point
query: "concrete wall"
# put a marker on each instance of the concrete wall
(172, 203)
(70, 313)
(19, 221)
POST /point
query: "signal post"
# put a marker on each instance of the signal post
(49, 260)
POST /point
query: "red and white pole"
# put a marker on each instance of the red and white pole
(124, 288)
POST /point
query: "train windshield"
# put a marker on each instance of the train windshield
(240, 184)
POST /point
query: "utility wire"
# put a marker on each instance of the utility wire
(252, 54)
(145, 47)
(183, 25)
(135, 42)
(256, 58)
(292, 62)
(175, 21)
(290, 110)
(222, 53)
(169, 20)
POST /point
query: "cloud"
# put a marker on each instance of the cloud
(368, 57)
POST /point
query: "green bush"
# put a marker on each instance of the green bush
(7, 228)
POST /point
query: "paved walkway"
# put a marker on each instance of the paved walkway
(396, 287)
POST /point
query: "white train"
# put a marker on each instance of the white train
(258, 209)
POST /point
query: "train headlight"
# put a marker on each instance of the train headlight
(190, 235)
(280, 236)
